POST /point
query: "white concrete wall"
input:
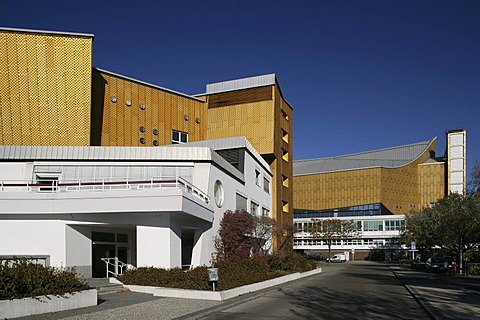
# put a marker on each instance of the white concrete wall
(158, 246)
(79, 249)
(204, 248)
(14, 171)
(34, 237)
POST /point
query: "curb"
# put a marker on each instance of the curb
(424, 304)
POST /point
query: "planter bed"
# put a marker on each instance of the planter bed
(216, 295)
(45, 304)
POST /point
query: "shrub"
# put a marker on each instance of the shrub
(232, 274)
(21, 279)
(195, 279)
(234, 241)
(293, 262)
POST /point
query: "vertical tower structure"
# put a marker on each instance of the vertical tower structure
(255, 108)
(456, 161)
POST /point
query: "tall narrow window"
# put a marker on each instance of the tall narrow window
(257, 178)
(266, 185)
(285, 181)
(253, 208)
(285, 136)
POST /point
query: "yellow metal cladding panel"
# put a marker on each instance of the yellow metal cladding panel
(135, 114)
(45, 81)
(248, 113)
(432, 183)
(337, 189)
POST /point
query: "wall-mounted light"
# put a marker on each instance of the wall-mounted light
(197, 120)
(128, 103)
(142, 106)
(155, 132)
(113, 99)
(142, 129)
(142, 140)
(155, 143)
(186, 117)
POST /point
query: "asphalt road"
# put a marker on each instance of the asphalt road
(343, 291)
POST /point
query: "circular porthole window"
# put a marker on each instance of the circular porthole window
(155, 143)
(218, 193)
(142, 129)
(155, 132)
(142, 140)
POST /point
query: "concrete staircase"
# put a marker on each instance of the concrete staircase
(103, 286)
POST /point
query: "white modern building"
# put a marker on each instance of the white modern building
(379, 233)
(145, 206)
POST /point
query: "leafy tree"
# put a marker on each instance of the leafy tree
(234, 241)
(451, 225)
(331, 230)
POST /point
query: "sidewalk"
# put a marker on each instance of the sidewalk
(442, 296)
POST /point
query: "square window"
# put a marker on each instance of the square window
(179, 137)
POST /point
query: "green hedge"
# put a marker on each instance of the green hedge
(22, 279)
(231, 274)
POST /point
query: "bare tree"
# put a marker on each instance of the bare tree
(330, 230)
(475, 178)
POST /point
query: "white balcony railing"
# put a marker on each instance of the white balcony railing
(55, 186)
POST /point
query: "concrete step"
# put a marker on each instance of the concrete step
(103, 286)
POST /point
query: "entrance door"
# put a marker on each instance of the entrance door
(99, 251)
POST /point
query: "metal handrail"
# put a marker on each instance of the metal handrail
(117, 264)
(78, 186)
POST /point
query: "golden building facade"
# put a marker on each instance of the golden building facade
(255, 108)
(45, 86)
(56, 97)
(402, 179)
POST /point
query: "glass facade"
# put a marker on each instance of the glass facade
(375, 209)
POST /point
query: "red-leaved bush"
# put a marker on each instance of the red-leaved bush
(234, 241)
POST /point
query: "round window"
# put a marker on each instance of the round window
(218, 193)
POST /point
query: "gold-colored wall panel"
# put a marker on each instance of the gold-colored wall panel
(252, 119)
(337, 189)
(401, 190)
(431, 183)
(45, 85)
(163, 111)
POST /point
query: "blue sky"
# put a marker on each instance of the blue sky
(360, 75)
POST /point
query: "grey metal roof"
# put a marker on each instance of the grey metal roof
(86, 153)
(60, 33)
(394, 157)
(239, 84)
(148, 84)
(230, 143)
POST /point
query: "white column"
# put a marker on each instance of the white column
(158, 247)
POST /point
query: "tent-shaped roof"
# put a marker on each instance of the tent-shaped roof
(394, 157)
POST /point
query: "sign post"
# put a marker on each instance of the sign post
(213, 276)
(413, 248)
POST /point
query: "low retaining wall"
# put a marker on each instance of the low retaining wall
(219, 295)
(44, 304)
